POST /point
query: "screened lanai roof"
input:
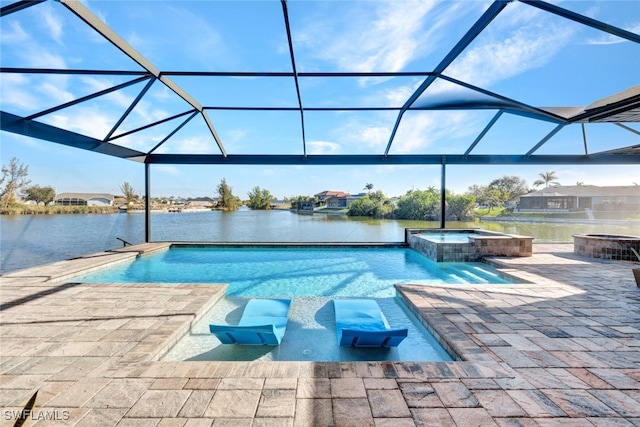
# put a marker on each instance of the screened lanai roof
(326, 82)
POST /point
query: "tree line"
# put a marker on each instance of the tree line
(14, 182)
(414, 204)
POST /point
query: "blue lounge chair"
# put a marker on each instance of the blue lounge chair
(263, 322)
(359, 323)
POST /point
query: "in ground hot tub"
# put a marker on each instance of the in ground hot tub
(466, 245)
(606, 246)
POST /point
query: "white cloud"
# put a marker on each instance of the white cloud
(322, 147)
(419, 131)
(375, 36)
(415, 134)
(375, 136)
(13, 33)
(399, 95)
(14, 88)
(524, 49)
(96, 84)
(56, 91)
(193, 145)
(167, 169)
(51, 21)
(86, 121)
(41, 57)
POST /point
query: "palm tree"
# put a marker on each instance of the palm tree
(547, 178)
(368, 187)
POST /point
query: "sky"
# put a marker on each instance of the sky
(524, 54)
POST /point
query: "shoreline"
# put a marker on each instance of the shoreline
(587, 221)
(543, 217)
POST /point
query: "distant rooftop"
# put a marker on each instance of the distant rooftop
(586, 190)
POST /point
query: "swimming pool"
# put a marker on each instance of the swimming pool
(296, 271)
(466, 245)
(312, 277)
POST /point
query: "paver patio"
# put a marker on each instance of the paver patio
(563, 349)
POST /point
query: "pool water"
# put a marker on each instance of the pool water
(448, 237)
(299, 271)
(310, 336)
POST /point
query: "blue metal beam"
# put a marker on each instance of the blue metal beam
(86, 98)
(486, 18)
(299, 74)
(583, 20)
(510, 104)
(17, 6)
(545, 139)
(584, 139)
(20, 70)
(628, 128)
(484, 132)
(397, 159)
(295, 72)
(187, 120)
(105, 31)
(18, 125)
(130, 109)
(150, 125)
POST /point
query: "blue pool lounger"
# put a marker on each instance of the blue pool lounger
(263, 322)
(359, 323)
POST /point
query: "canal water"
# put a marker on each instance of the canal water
(30, 240)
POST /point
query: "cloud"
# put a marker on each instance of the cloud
(15, 92)
(373, 36)
(522, 50)
(167, 169)
(322, 147)
(13, 33)
(51, 21)
(42, 57)
(88, 121)
(416, 133)
(374, 136)
(56, 91)
(193, 145)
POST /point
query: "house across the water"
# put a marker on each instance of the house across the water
(581, 197)
(84, 199)
(337, 199)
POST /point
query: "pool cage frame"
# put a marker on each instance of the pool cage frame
(616, 109)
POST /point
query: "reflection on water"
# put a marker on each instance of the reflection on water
(34, 240)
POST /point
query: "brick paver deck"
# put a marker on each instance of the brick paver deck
(563, 349)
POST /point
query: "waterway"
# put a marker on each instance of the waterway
(31, 240)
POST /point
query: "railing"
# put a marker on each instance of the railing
(124, 242)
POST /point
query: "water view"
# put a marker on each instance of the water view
(31, 240)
